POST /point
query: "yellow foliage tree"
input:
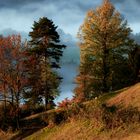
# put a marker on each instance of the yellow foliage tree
(102, 35)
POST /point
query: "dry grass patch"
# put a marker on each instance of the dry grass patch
(130, 97)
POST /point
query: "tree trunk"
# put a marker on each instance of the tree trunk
(5, 103)
(46, 103)
(105, 68)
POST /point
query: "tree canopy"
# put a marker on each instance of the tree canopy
(104, 45)
(45, 52)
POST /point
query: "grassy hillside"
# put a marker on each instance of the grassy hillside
(130, 97)
(113, 116)
(84, 130)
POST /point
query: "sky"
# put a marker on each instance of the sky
(17, 16)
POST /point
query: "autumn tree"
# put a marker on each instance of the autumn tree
(46, 50)
(12, 75)
(104, 42)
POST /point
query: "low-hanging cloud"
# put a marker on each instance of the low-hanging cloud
(69, 61)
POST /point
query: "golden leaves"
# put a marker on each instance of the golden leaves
(103, 30)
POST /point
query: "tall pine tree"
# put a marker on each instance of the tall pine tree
(46, 50)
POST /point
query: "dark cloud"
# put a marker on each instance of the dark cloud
(17, 3)
(124, 1)
(68, 15)
(60, 3)
(130, 11)
(129, 8)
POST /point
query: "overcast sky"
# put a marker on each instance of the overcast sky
(67, 14)
(19, 15)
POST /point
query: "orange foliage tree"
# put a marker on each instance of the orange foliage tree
(104, 41)
(12, 77)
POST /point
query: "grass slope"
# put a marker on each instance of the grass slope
(88, 125)
(84, 130)
(130, 97)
